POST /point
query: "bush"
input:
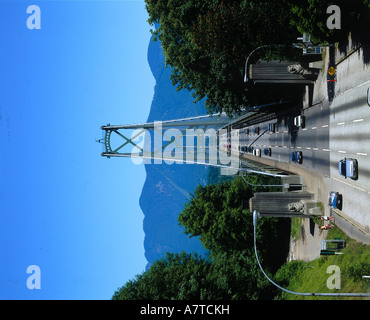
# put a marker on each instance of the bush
(358, 270)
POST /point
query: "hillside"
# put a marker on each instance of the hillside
(168, 187)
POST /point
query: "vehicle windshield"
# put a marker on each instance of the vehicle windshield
(342, 167)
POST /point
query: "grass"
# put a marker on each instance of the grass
(296, 227)
(312, 276)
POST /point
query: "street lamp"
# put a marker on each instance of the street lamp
(256, 216)
(258, 48)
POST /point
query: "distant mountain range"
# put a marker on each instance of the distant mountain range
(168, 187)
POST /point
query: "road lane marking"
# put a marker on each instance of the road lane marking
(325, 126)
(313, 128)
(358, 120)
(361, 154)
(360, 85)
(315, 149)
(299, 147)
(340, 123)
(327, 150)
(304, 129)
(308, 148)
(341, 151)
(348, 184)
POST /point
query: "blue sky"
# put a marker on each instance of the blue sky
(63, 207)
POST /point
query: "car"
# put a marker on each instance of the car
(247, 131)
(271, 127)
(299, 121)
(348, 168)
(296, 156)
(368, 96)
(267, 152)
(257, 130)
(257, 152)
(335, 200)
(250, 149)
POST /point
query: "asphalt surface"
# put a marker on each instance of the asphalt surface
(337, 126)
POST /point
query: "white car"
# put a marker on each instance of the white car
(257, 152)
(299, 121)
(348, 168)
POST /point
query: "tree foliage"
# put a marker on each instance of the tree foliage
(179, 276)
(207, 42)
(310, 16)
(215, 214)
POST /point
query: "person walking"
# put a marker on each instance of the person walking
(327, 218)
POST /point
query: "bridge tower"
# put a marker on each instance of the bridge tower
(187, 140)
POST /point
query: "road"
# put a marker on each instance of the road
(334, 130)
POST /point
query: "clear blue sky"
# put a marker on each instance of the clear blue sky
(63, 207)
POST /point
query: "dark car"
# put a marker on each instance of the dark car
(271, 127)
(267, 152)
(335, 200)
(296, 156)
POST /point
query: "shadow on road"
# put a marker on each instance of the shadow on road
(312, 227)
(359, 39)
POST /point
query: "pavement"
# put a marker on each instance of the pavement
(337, 131)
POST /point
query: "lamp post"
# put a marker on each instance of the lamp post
(256, 215)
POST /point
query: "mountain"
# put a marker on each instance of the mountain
(168, 187)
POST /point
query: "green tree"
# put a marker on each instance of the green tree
(215, 214)
(178, 276)
(310, 16)
(183, 276)
(206, 42)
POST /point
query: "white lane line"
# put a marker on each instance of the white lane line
(308, 148)
(340, 123)
(327, 150)
(361, 154)
(325, 126)
(341, 151)
(358, 120)
(315, 149)
(304, 129)
(299, 147)
(313, 128)
(360, 85)
(348, 184)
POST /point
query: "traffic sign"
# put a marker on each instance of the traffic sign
(331, 71)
